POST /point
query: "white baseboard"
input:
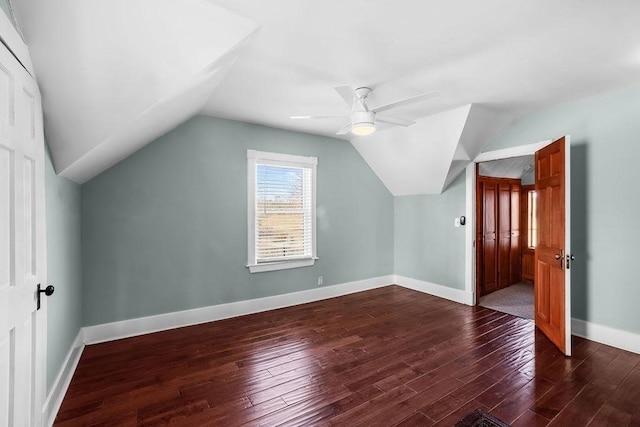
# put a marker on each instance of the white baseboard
(144, 325)
(603, 334)
(456, 295)
(606, 335)
(62, 381)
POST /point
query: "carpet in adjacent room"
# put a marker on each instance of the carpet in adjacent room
(516, 299)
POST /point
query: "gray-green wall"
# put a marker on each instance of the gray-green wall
(605, 148)
(427, 246)
(605, 234)
(64, 270)
(166, 229)
(4, 5)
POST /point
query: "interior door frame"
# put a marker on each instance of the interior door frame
(470, 206)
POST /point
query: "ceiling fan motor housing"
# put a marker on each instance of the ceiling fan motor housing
(363, 120)
(363, 92)
(361, 117)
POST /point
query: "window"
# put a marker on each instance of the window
(281, 211)
(532, 220)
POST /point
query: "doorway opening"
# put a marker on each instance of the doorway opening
(552, 255)
(506, 232)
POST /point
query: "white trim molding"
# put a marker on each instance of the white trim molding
(63, 379)
(618, 338)
(452, 294)
(624, 340)
(15, 43)
(309, 167)
(144, 325)
(470, 232)
(507, 153)
(281, 265)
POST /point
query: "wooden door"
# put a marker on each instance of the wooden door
(515, 244)
(498, 231)
(504, 227)
(552, 253)
(22, 246)
(490, 237)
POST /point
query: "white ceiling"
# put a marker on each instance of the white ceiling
(513, 167)
(115, 75)
(504, 58)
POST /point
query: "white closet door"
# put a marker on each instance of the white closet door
(22, 246)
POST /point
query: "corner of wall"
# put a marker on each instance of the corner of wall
(63, 380)
(446, 292)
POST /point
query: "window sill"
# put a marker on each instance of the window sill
(281, 265)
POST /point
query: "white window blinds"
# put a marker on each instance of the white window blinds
(283, 213)
(281, 210)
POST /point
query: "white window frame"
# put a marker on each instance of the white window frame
(276, 159)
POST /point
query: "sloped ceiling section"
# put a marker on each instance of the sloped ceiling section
(115, 75)
(426, 157)
(415, 160)
(481, 126)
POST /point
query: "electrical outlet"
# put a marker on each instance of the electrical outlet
(320, 280)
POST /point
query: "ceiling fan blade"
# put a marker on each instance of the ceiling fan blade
(347, 93)
(394, 120)
(319, 117)
(407, 101)
(344, 129)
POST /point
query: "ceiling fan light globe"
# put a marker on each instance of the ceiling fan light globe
(363, 129)
(363, 123)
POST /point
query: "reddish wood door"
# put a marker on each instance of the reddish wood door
(552, 280)
(489, 240)
(515, 244)
(504, 226)
(497, 227)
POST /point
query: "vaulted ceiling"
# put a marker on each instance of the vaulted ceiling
(114, 75)
(104, 67)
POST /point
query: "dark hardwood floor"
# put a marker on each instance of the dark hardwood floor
(389, 356)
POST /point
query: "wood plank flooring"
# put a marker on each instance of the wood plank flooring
(389, 356)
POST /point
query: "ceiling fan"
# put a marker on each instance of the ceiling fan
(362, 118)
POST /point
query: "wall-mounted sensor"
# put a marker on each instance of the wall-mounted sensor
(458, 222)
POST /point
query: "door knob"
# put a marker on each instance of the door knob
(560, 257)
(48, 291)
